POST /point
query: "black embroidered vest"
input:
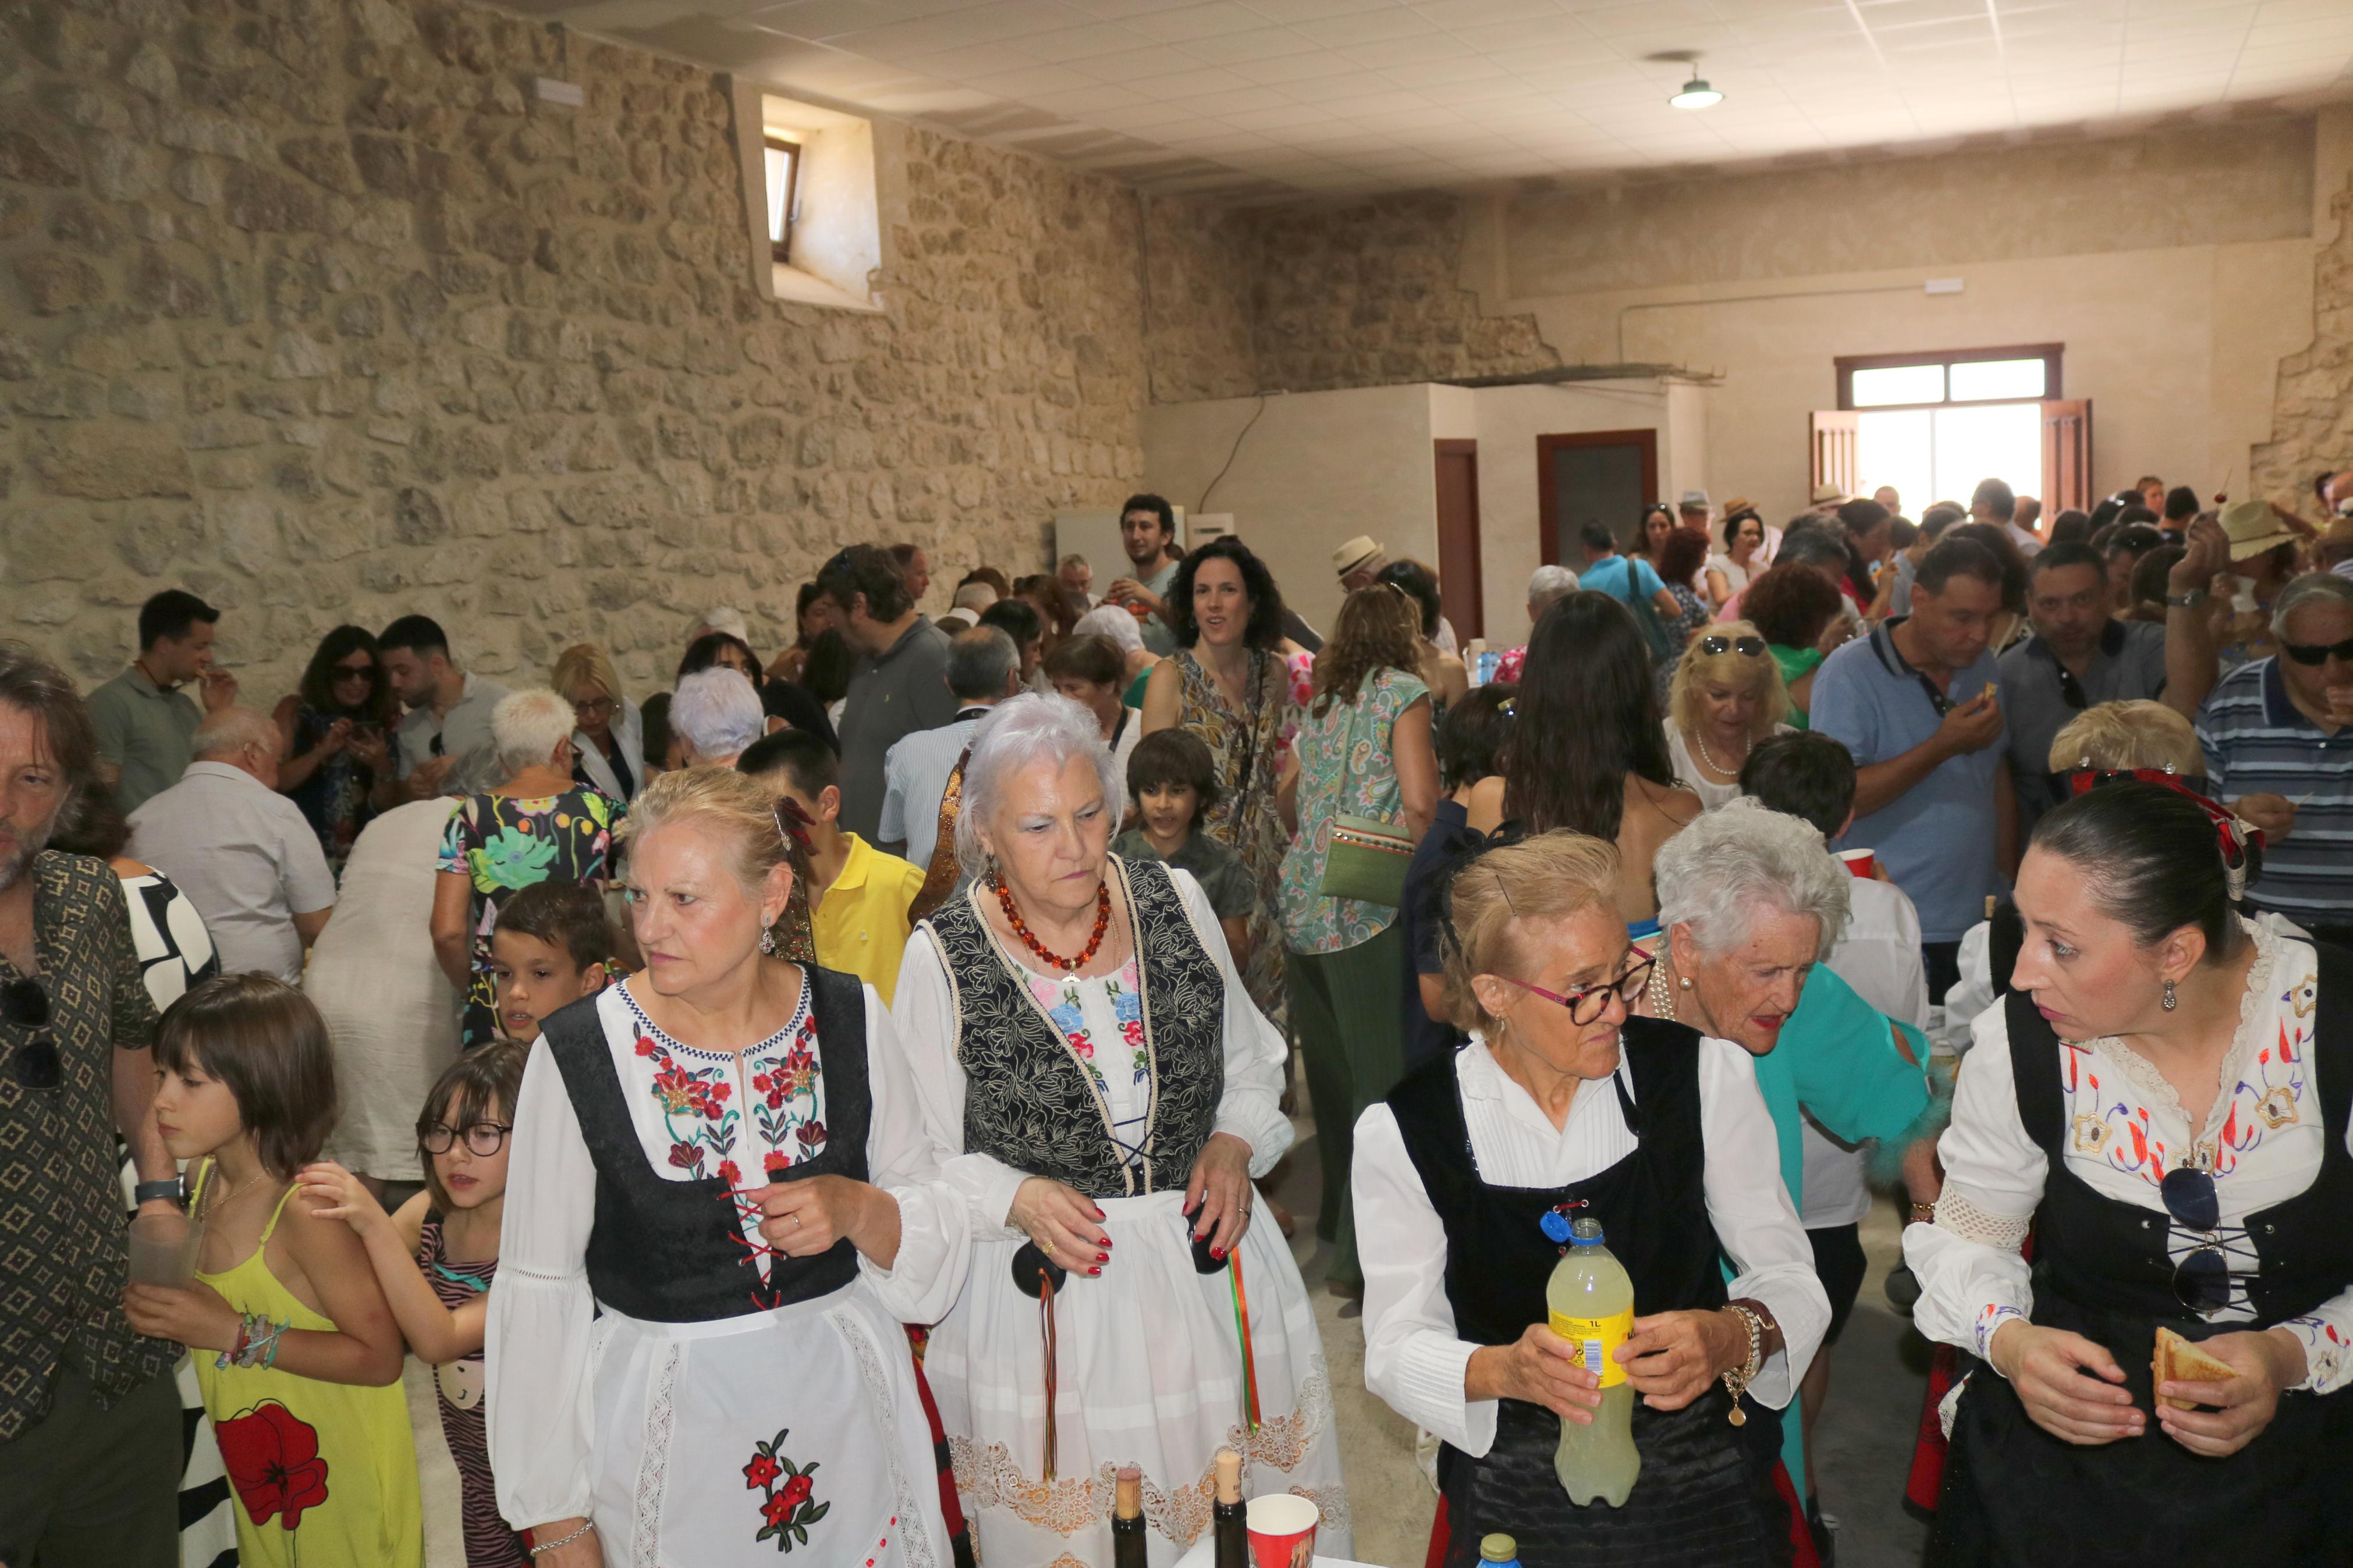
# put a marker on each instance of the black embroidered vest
(673, 1252)
(1029, 1101)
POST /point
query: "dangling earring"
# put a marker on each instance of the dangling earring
(768, 945)
(2171, 1001)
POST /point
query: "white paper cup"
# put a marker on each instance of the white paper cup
(164, 1250)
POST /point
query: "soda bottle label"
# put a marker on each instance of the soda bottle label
(1597, 1341)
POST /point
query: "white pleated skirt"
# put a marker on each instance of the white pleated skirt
(1150, 1373)
(792, 1436)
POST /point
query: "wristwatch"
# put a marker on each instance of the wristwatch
(148, 1191)
(2190, 601)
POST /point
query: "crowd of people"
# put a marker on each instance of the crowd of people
(824, 1106)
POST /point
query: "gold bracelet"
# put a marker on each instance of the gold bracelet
(1736, 1379)
(1923, 1213)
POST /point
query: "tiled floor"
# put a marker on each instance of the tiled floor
(1864, 1441)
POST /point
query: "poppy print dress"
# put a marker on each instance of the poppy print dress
(503, 843)
(324, 1474)
(653, 1365)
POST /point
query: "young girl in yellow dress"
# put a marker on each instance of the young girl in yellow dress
(296, 1351)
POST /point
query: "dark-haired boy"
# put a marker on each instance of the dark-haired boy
(550, 948)
(1173, 780)
(858, 895)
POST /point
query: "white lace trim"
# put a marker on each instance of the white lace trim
(914, 1537)
(653, 1464)
(1956, 1214)
(2255, 1032)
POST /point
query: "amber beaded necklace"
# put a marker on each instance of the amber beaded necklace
(1021, 928)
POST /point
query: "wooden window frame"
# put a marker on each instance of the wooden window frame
(2050, 354)
(781, 247)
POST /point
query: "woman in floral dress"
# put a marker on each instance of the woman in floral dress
(1229, 685)
(538, 827)
(1101, 1090)
(720, 1207)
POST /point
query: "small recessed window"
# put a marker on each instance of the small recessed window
(783, 168)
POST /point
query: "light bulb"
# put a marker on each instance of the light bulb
(1697, 94)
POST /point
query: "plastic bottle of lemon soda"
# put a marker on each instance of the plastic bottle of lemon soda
(1592, 1304)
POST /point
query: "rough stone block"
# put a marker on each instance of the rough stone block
(54, 284)
(115, 464)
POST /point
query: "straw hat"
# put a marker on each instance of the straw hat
(1359, 553)
(1827, 495)
(2254, 528)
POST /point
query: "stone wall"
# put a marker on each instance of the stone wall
(2312, 411)
(306, 305)
(1369, 294)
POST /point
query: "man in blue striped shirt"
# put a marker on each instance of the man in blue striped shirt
(2278, 736)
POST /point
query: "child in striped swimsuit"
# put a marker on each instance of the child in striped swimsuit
(436, 1257)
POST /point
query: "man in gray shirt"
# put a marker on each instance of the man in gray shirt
(1147, 531)
(2081, 656)
(984, 669)
(143, 719)
(901, 683)
(449, 717)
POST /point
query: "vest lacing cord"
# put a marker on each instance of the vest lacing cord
(1046, 1341)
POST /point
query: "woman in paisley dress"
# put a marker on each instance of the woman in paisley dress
(1102, 1091)
(1229, 685)
(335, 727)
(721, 1205)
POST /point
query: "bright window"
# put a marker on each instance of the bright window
(1933, 424)
(783, 168)
(1976, 381)
(1899, 383)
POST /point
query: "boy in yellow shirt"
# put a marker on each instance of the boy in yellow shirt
(857, 905)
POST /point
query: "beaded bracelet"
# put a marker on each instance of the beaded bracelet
(232, 1356)
(257, 1341)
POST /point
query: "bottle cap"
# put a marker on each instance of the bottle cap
(1129, 1495)
(1584, 1233)
(1230, 1477)
(1498, 1549)
(1555, 1224)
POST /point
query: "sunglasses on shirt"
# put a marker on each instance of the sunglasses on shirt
(2314, 654)
(2201, 1280)
(1752, 647)
(33, 1064)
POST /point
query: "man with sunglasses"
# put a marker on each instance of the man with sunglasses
(89, 1418)
(2082, 655)
(2279, 749)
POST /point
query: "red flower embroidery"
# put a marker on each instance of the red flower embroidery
(727, 1172)
(812, 1136)
(777, 1162)
(795, 1492)
(685, 1156)
(646, 1046)
(761, 1473)
(786, 1512)
(272, 1459)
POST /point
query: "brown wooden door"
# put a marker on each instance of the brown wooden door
(1833, 441)
(1459, 593)
(1594, 476)
(2066, 455)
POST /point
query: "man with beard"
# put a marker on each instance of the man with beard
(89, 1419)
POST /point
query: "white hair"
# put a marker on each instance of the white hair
(1547, 585)
(2311, 588)
(719, 618)
(1717, 874)
(526, 727)
(229, 730)
(716, 712)
(1023, 729)
(1113, 622)
(975, 596)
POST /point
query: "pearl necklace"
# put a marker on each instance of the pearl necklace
(1709, 757)
(1663, 996)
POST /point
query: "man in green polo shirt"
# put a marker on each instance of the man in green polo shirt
(145, 722)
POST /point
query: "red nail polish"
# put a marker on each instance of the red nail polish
(1094, 1271)
(1218, 1253)
(1103, 1257)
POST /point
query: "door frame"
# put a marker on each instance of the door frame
(1469, 595)
(1548, 501)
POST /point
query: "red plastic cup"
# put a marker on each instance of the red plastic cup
(1282, 1531)
(1863, 863)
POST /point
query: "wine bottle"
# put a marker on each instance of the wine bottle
(1229, 1513)
(1127, 1520)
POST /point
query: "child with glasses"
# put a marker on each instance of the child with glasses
(296, 1353)
(437, 1257)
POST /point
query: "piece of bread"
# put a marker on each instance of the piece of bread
(2179, 1360)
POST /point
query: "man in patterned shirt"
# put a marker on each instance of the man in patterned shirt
(89, 1420)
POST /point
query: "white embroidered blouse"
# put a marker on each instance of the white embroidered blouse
(2126, 1128)
(697, 1114)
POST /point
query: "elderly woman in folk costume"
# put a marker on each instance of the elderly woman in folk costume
(1103, 1091)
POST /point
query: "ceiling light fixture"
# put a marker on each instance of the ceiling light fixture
(1697, 94)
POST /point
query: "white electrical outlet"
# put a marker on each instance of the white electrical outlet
(1944, 285)
(567, 93)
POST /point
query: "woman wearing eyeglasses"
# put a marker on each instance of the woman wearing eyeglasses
(1727, 696)
(335, 727)
(2162, 1097)
(608, 740)
(1563, 1104)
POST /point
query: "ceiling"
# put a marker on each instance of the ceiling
(1258, 100)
